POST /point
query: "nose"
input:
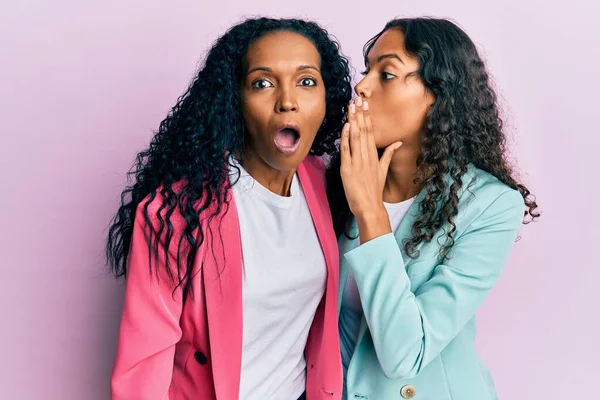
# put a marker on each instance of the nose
(287, 101)
(363, 88)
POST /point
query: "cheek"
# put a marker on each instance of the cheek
(315, 110)
(317, 102)
(386, 112)
(320, 112)
(412, 108)
(397, 115)
(255, 114)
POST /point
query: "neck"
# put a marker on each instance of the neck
(400, 181)
(278, 182)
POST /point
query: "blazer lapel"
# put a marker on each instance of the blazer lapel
(323, 225)
(404, 229)
(222, 274)
(345, 245)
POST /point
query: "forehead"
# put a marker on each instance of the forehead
(390, 42)
(282, 47)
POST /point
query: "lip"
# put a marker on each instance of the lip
(288, 150)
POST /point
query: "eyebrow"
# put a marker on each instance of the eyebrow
(388, 56)
(267, 69)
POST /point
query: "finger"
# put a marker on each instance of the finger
(345, 144)
(355, 147)
(360, 120)
(386, 158)
(369, 128)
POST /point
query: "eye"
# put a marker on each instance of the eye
(261, 84)
(365, 72)
(386, 76)
(308, 82)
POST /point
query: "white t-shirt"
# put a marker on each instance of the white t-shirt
(284, 277)
(396, 212)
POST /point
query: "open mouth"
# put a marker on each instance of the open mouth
(287, 139)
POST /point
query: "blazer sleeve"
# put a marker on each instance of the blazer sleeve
(150, 321)
(410, 329)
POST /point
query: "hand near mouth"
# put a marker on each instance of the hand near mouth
(364, 173)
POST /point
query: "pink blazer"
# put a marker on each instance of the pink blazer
(173, 351)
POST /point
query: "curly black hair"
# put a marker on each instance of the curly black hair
(185, 167)
(462, 127)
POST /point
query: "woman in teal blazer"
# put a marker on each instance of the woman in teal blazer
(427, 209)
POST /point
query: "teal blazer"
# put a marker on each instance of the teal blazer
(416, 338)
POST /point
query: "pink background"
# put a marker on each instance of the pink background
(82, 86)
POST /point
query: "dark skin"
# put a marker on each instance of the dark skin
(389, 114)
(283, 84)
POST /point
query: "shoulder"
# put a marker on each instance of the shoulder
(156, 211)
(486, 188)
(161, 206)
(484, 194)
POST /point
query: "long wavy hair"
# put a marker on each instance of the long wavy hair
(463, 125)
(185, 167)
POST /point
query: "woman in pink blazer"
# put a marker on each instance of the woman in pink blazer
(225, 238)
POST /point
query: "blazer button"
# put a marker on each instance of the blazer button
(200, 357)
(408, 391)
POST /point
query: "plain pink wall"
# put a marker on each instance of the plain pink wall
(82, 86)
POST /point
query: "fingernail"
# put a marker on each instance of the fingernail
(352, 108)
(366, 106)
(359, 101)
